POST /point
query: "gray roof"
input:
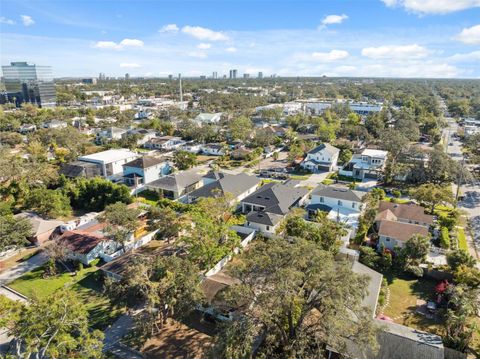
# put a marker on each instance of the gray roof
(374, 285)
(339, 192)
(177, 181)
(267, 218)
(39, 224)
(144, 162)
(327, 147)
(77, 168)
(276, 197)
(226, 183)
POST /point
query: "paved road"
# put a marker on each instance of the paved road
(13, 273)
(470, 191)
(113, 334)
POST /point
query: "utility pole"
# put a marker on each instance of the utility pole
(180, 86)
(460, 179)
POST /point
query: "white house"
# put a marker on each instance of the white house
(144, 170)
(213, 149)
(341, 203)
(168, 143)
(208, 118)
(192, 147)
(111, 161)
(55, 124)
(322, 158)
(144, 135)
(392, 234)
(109, 134)
(368, 164)
(86, 246)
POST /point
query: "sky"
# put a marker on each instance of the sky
(360, 38)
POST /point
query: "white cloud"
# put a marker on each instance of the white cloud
(329, 56)
(433, 6)
(203, 33)
(169, 28)
(111, 45)
(395, 52)
(4, 20)
(197, 54)
(231, 49)
(130, 65)
(333, 19)
(469, 57)
(203, 46)
(27, 20)
(470, 35)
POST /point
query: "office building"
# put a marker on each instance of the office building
(246, 76)
(203, 77)
(260, 75)
(233, 74)
(127, 76)
(101, 76)
(214, 75)
(29, 83)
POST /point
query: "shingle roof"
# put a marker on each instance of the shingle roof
(409, 211)
(177, 181)
(267, 218)
(325, 146)
(276, 197)
(80, 241)
(76, 168)
(226, 183)
(144, 162)
(339, 192)
(401, 231)
(39, 225)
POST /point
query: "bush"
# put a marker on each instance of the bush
(447, 221)
(396, 193)
(444, 238)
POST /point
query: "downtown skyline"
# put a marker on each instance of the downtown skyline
(374, 38)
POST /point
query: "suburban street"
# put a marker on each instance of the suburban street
(470, 191)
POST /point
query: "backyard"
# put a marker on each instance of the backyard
(87, 284)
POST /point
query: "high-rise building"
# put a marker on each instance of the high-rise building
(214, 75)
(127, 76)
(101, 76)
(246, 76)
(29, 83)
(233, 74)
(170, 77)
(260, 75)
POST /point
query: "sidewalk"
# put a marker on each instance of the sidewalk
(30, 264)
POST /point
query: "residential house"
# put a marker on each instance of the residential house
(208, 118)
(86, 246)
(111, 161)
(322, 158)
(167, 143)
(213, 149)
(144, 170)
(176, 185)
(341, 203)
(192, 147)
(42, 229)
(55, 124)
(268, 206)
(240, 153)
(392, 233)
(367, 164)
(81, 169)
(110, 134)
(220, 184)
(397, 223)
(143, 135)
(27, 128)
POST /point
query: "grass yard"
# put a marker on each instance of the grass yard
(462, 240)
(404, 293)
(149, 197)
(85, 284)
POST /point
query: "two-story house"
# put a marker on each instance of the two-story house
(144, 170)
(397, 223)
(192, 147)
(110, 134)
(208, 118)
(214, 149)
(268, 206)
(111, 161)
(367, 164)
(322, 158)
(177, 185)
(341, 203)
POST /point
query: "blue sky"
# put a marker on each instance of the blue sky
(391, 38)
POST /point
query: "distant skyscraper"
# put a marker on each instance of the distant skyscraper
(203, 77)
(214, 75)
(170, 77)
(127, 76)
(233, 74)
(29, 83)
(101, 76)
(260, 75)
(246, 76)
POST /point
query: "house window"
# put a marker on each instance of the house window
(268, 228)
(340, 203)
(387, 239)
(354, 204)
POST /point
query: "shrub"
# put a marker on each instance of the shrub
(447, 221)
(444, 238)
(396, 193)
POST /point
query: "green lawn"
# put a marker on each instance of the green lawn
(149, 197)
(462, 240)
(87, 284)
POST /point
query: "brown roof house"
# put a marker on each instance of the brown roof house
(42, 228)
(397, 223)
(86, 246)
